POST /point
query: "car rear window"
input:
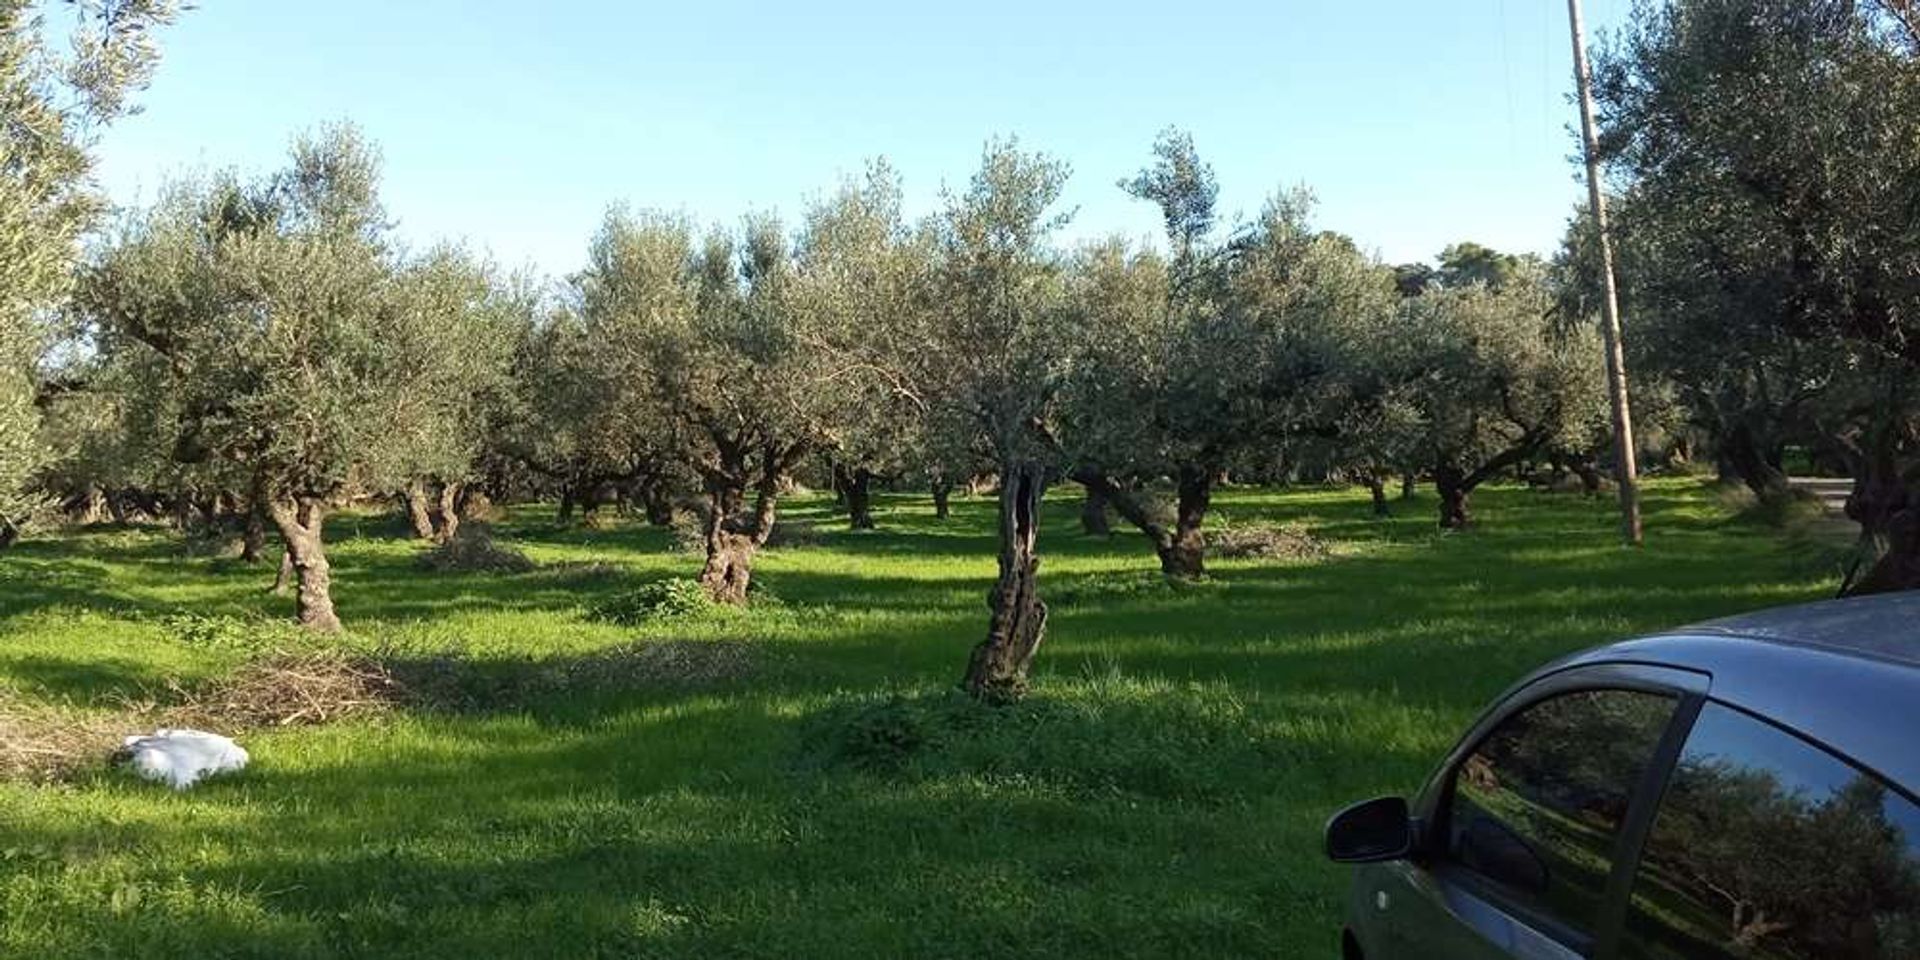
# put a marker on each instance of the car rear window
(1767, 846)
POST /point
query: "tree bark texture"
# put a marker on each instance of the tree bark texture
(1181, 547)
(301, 525)
(735, 529)
(859, 496)
(1886, 503)
(999, 668)
(1456, 511)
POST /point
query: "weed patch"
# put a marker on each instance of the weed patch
(474, 550)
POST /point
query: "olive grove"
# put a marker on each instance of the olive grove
(250, 353)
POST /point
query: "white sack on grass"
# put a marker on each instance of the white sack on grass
(180, 758)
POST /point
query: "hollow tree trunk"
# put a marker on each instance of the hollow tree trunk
(447, 515)
(1094, 510)
(1451, 484)
(1377, 488)
(1000, 664)
(419, 509)
(859, 497)
(1408, 484)
(942, 493)
(301, 527)
(116, 508)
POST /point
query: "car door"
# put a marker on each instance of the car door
(1524, 825)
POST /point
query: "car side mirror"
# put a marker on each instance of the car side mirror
(1371, 831)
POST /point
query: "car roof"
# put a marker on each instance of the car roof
(1844, 673)
(1885, 625)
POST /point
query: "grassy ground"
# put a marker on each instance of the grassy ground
(1161, 795)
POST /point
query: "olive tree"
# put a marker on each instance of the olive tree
(1773, 148)
(53, 108)
(457, 306)
(1496, 381)
(1220, 354)
(862, 279)
(711, 329)
(301, 347)
(990, 355)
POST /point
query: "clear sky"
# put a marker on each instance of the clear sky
(515, 124)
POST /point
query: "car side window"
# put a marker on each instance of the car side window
(1537, 806)
(1768, 846)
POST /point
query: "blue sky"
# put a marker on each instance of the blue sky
(514, 125)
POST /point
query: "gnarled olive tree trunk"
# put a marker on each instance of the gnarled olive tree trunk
(1754, 461)
(253, 537)
(447, 514)
(1181, 546)
(1886, 503)
(1000, 664)
(1377, 489)
(859, 496)
(419, 509)
(656, 498)
(1455, 483)
(300, 523)
(433, 516)
(736, 531)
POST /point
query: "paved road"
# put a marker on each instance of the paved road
(1831, 491)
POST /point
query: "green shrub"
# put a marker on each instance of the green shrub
(677, 597)
(221, 631)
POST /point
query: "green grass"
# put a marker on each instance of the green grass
(1160, 795)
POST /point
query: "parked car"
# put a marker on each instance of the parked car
(1744, 788)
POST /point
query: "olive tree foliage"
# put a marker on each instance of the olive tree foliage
(711, 329)
(1495, 380)
(1332, 393)
(1771, 150)
(302, 349)
(862, 279)
(1150, 387)
(52, 107)
(581, 417)
(991, 355)
(1705, 316)
(460, 305)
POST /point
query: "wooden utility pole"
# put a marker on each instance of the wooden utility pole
(1626, 472)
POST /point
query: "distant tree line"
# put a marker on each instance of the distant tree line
(254, 352)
